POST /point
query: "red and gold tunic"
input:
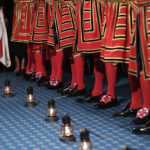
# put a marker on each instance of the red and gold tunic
(54, 19)
(140, 50)
(22, 20)
(117, 28)
(67, 32)
(61, 23)
(89, 14)
(143, 2)
(50, 19)
(39, 26)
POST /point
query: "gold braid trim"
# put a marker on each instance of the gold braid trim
(76, 55)
(36, 51)
(120, 1)
(59, 50)
(143, 4)
(102, 2)
(133, 5)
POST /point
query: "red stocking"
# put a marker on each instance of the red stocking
(111, 73)
(79, 66)
(30, 58)
(136, 93)
(40, 66)
(145, 84)
(72, 64)
(59, 63)
(99, 71)
(53, 64)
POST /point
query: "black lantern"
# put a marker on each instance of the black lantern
(85, 143)
(7, 89)
(67, 130)
(30, 99)
(51, 111)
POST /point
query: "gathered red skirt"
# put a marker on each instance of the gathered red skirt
(143, 47)
(117, 28)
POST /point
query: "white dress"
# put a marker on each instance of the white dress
(5, 58)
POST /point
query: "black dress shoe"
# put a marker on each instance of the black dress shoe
(64, 88)
(69, 90)
(142, 130)
(42, 81)
(33, 78)
(75, 92)
(140, 121)
(126, 112)
(52, 87)
(103, 105)
(46, 83)
(89, 98)
(27, 77)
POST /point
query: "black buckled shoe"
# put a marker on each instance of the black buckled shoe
(42, 81)
(89, 98)
(106, 102)
(143, 129)
(53, 87)
(70, 89)
(33, 78)
(37, 78)
(76, 92)
(126, 112)
(64, 88)
(143, 116)
(27, 76)
(46, 83)
(60, 84)
(140, 121)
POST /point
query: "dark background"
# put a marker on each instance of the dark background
(8, 6)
